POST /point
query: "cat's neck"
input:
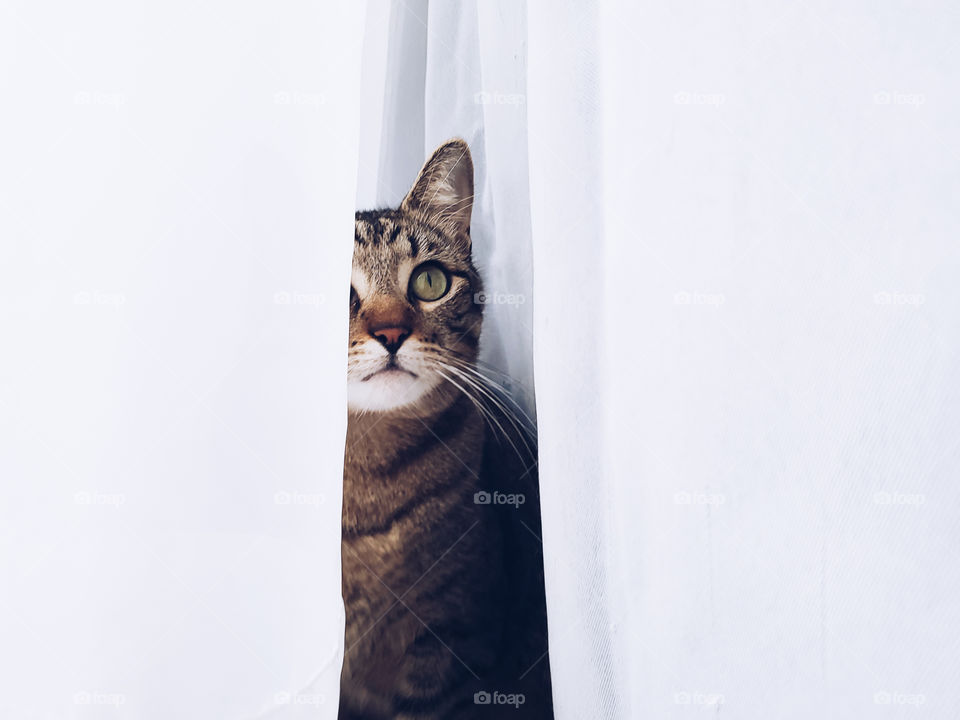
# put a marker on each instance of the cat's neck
(373, 438)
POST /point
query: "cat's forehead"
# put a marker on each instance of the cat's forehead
(389, 239)
(385, 234)
(382, 243)
(396, 232)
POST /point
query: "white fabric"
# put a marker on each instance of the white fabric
(744, 224)
(589, 674)
(744, 331)
(177, 197)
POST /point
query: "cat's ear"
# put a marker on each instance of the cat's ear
(444, 187)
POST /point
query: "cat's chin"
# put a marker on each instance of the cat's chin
(388, 390)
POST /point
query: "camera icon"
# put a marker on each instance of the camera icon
(482, 698)
(482, 498)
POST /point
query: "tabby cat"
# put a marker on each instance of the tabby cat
(442, 571)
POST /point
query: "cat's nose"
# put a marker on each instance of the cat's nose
(391, 337)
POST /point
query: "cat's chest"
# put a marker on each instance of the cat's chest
(397, 525)
(411, 499)
(402, 483)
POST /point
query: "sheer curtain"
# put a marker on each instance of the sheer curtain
(742, 232)
(437, 70)
(176, 211)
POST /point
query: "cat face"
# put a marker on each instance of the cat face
(413, 319)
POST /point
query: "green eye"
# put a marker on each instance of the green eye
(429, 282)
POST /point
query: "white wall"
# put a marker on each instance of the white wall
(177, 194)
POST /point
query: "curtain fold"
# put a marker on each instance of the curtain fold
(570, 336)
(475, 85)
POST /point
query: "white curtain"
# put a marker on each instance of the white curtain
(176, 211)
(743, 238)
(438, 70)
(746, 339)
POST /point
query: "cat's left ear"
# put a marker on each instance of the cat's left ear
(444, 187)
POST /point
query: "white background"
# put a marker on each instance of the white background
(745, 224)
(739, 223)
(177, 196)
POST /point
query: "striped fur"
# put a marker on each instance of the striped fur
(443, 595)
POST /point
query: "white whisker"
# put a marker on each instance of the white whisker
(485, 391)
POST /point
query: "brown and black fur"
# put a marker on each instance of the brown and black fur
(443, 595)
